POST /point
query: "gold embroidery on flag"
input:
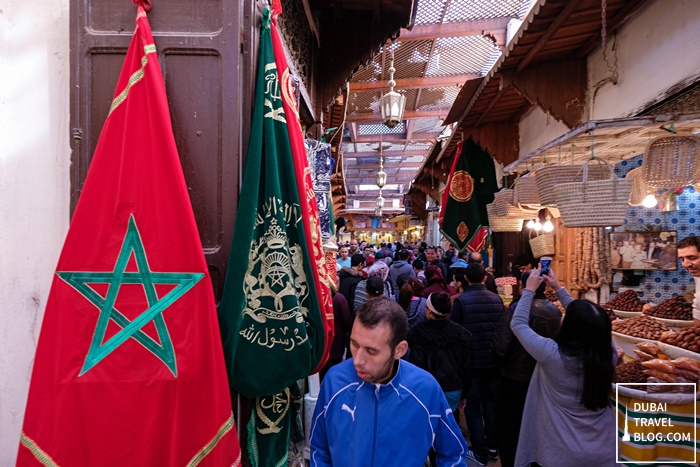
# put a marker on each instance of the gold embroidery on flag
(272, 94)
(288, 93)
(275, 272)
(462, 231)
(461, 186)
(204, 452)
(38, 453)
(277, 406)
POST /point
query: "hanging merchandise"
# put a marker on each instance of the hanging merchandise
(128, 368)
(526, 193)
(593, 203)
(672, 161)
(319, 157)
(592, 266)
(639, 188)
(552, 175)
(503, 223)
(542, 244)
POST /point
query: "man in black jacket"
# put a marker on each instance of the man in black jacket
(480, 310)
(350, 277)
(515, 367)
(490, 283)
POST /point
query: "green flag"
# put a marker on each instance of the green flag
(472, 180)
(270, 316)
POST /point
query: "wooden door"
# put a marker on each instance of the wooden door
(203, 62)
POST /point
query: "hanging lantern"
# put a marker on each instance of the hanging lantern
(392, 103)
(380, 201)
(381, 175)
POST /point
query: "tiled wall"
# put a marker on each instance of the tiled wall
(662, 285)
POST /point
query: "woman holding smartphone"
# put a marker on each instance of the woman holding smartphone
(568, 420)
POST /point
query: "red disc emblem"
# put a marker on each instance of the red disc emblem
(461, 186)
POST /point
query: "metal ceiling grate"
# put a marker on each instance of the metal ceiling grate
(371, 71)
(410, 59)
(394, 147)
(363, 102)
(415, 146)
(428, 125)
(429, 11)
(379, 129)
(414, 159)
(438, 98)
(456, 55)
(465, 10)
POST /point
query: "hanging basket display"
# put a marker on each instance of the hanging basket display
(672, 162)
(542, 245)
(639, 188)
(594, 203)
(503, 223)
(503, 200)
(550, 176)
(526, 192)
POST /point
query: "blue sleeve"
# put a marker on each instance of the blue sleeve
(449, 445)
(320, 454)
(541, 348)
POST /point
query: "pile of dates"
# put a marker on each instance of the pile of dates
(626, 301)
(686, 338)
(643, 327)
(675, 308)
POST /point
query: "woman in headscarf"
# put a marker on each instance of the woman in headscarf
(436, 283)
(378, 269)
(411, 299)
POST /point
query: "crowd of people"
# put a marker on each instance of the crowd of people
(423, 339)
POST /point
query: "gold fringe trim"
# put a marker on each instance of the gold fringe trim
(39, 453)
(204, 452)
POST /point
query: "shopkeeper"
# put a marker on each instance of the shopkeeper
(689, 256)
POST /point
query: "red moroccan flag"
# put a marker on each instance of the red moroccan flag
(129, 369)
(307, 197)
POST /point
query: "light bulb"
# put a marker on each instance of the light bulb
(548, 226)
(538, 225)
(649, 201)
(530, 224)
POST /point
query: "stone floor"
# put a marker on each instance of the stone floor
(465, 432)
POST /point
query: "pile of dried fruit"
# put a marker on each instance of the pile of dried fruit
(674, 308)
(626, 301)
(687, 338)
(642, 326)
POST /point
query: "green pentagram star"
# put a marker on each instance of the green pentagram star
(131, 329)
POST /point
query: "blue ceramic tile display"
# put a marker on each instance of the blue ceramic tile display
(319, 155)
(662, 285)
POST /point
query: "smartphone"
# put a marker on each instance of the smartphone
(545, 264)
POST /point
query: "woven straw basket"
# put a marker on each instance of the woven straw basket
(639, 188)
(526, 191)
(597, 203)
(503, 200)
(672, 161)
(554, 211)
(549, 176)
(542, 245)
(503, 223)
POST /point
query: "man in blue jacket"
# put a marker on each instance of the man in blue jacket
(479, 310)
(378, 410)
